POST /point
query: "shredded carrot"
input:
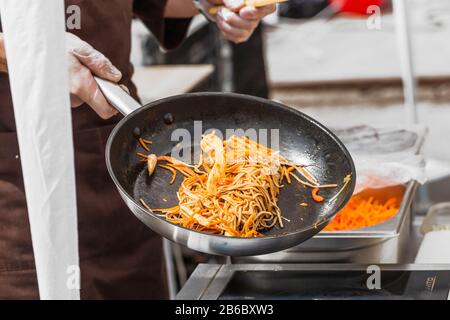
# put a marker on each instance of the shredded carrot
(143, 156)
(174, 172)
(315, 195)
(144, 144)
(363, 212)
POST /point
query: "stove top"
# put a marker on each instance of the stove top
(318, 281)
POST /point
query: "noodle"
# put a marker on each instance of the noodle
(234, 189)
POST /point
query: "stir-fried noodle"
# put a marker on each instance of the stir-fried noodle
(234, 189)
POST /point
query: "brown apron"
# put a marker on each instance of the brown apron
(119, 257)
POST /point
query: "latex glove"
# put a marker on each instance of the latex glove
(238, 21)
(84, 62)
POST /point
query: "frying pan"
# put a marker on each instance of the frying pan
(301, 139)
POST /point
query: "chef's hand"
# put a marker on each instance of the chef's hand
(84, 62)
(238, 21)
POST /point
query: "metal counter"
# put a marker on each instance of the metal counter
(317, 281)
(382, 243)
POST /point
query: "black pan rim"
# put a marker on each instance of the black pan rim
(323, 222)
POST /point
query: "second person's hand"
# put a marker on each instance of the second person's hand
(238, 21)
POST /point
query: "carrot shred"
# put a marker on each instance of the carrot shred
(174, 172)
(315, 195)
(143, 156)
(144, 144)
(363, 212)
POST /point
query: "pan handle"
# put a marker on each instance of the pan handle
(117, 97)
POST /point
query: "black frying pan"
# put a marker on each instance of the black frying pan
(302, 140)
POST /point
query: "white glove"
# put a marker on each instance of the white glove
(84, 62)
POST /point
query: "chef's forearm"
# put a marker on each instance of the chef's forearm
(3, 65)
(180, 9)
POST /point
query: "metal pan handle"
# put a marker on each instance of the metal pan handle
(117, 97)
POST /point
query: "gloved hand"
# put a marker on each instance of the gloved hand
(238, 21)
(84, 62)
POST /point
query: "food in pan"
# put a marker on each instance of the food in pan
(234, 188)
(363, 212)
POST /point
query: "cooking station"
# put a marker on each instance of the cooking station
(316, 281)
(290, 275)
(286, 150)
